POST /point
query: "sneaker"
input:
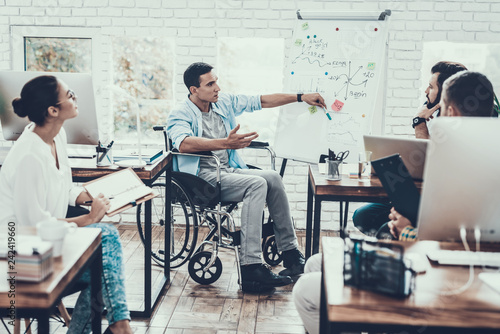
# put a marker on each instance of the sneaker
(259, 277)
(293, 261)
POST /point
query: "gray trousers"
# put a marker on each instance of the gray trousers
(255, 187)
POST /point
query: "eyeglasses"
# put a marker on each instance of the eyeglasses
(71, 96)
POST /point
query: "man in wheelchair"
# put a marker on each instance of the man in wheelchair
(206, 121)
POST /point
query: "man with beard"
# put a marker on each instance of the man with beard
(431, 108)
(466, 94)
(370, 217)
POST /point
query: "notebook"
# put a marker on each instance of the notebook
(399, 185)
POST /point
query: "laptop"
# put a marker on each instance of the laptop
(412, 151)
(462, 180)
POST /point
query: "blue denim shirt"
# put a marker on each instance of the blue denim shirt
(186, 120)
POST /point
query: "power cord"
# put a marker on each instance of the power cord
(463, 236)
(477, 236)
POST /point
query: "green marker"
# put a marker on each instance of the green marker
(327, 114)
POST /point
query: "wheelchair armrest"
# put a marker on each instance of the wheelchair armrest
(159, 128)
(194, 154)
(202, 154)
(261, 145)
(257, 144)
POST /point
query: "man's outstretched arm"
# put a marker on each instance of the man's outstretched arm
(276, 100)
(232, 141)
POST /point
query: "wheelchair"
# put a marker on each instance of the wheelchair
(195, 203)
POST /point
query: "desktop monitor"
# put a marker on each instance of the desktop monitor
(462, 180)
(80, 130)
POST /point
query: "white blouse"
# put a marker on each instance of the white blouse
(32, 189)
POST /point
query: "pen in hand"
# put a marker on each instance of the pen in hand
(90, 202)
(327, 114)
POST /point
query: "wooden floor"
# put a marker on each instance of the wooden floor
(189, 308)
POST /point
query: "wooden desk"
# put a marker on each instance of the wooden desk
(477, 310)
(344, 191)
(81, 249)
(84, 170)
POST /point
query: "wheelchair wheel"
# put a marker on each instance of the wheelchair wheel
(183, 224)
(198, 262)
(270, 251)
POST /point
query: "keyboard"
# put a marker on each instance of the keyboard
(492, 280)
(464, 258)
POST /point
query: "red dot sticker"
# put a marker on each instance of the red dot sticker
(337, 29)
(376, 29)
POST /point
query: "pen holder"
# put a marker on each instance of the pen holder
(104, 156)
(333, 169)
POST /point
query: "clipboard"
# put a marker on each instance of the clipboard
(124, 187)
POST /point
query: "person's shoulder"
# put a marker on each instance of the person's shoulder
(25, 152)
(182, 107)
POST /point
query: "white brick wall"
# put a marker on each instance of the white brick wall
(196, 24)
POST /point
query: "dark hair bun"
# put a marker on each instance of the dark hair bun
(18, 105)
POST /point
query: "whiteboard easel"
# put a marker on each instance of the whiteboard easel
(342, 56)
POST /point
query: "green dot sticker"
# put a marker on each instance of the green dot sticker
(371, 66)
(312, 109)
(298, 42)
(305, 26)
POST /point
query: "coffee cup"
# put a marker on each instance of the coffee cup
(54, 231)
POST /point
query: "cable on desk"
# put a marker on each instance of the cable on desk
(477, 236)
(463, 236)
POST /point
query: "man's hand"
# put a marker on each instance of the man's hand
(235, 141)
(397, 223)
(100, 205)
(314, 99)
(426, 113)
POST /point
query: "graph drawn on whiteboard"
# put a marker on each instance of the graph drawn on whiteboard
(345, 129)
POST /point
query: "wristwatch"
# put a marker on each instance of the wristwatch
(417, 120)
(299, 97)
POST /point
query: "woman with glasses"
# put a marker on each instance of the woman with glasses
(36, 184)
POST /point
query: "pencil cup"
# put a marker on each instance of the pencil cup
(364, 165)
(104, 157)
(334, 169)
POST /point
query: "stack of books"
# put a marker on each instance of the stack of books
(34, 261)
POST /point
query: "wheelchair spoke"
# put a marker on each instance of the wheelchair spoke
(184, 226)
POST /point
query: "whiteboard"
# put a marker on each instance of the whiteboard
(343, 60)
